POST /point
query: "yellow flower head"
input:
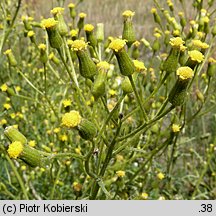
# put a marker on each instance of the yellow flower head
(205, 19)
(18, 88)
(77, 186)
(175, 128)
(7, 106)
(200, 34)
(71, 119)
(153, 10)
(42, 46)
(212, 60)
(176, 32)
(185, 73)
(4, 87)
(71, 5)
(3, 122)
(139, 65)
(32, 143)
(78, 150)
(57, 10)
(103, 65)
(136, 43)
(181, 14)
(88, 27)
(79, 45)
(56, 130)
(144, 196)
(117, 44)
(128, 13)
(112, 92)
(15, 149)
(200, 44)
(196, 55)
(120, 173)
(157, 35)
(82, 15)
(183, 48)
(160, 176)
(8, 51)
(67, 103)
(30, 34)
(48, 23)
(176, 42)
(74, 32)
(64, 138)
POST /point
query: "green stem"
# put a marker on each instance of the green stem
(18, 177)
(106, 163)
(138, 98)
(149, 158)
(143, 126)
(73, 73)
(54, 184)
(4, 39)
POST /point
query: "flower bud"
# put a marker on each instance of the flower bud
(61, 25)
(43, 54)
(125, 63)
(11, 57)
(54, 37)
(87, 129)
(80, 23)
(200, 95)
(54, 58)
(157, 18)
(88, 28)
(100, 32)
(178, 93)
(128, 30)
(72, 9)
(171, 63)
(86, 65)
(135, 50)
(126, 86)
(27, 24)
(214, 30)
(211, 67)
(29, 155)
(31, 35)
(195, 57)
(14, 135)
(99, 85)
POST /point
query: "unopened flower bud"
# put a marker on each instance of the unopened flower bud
(11, 57)
(86, 65)
(54, 37)
(128, 30)
(100, 32)
(178, 93)
(125, 63)
(87, 129)
(61, 25)
(14, 135)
